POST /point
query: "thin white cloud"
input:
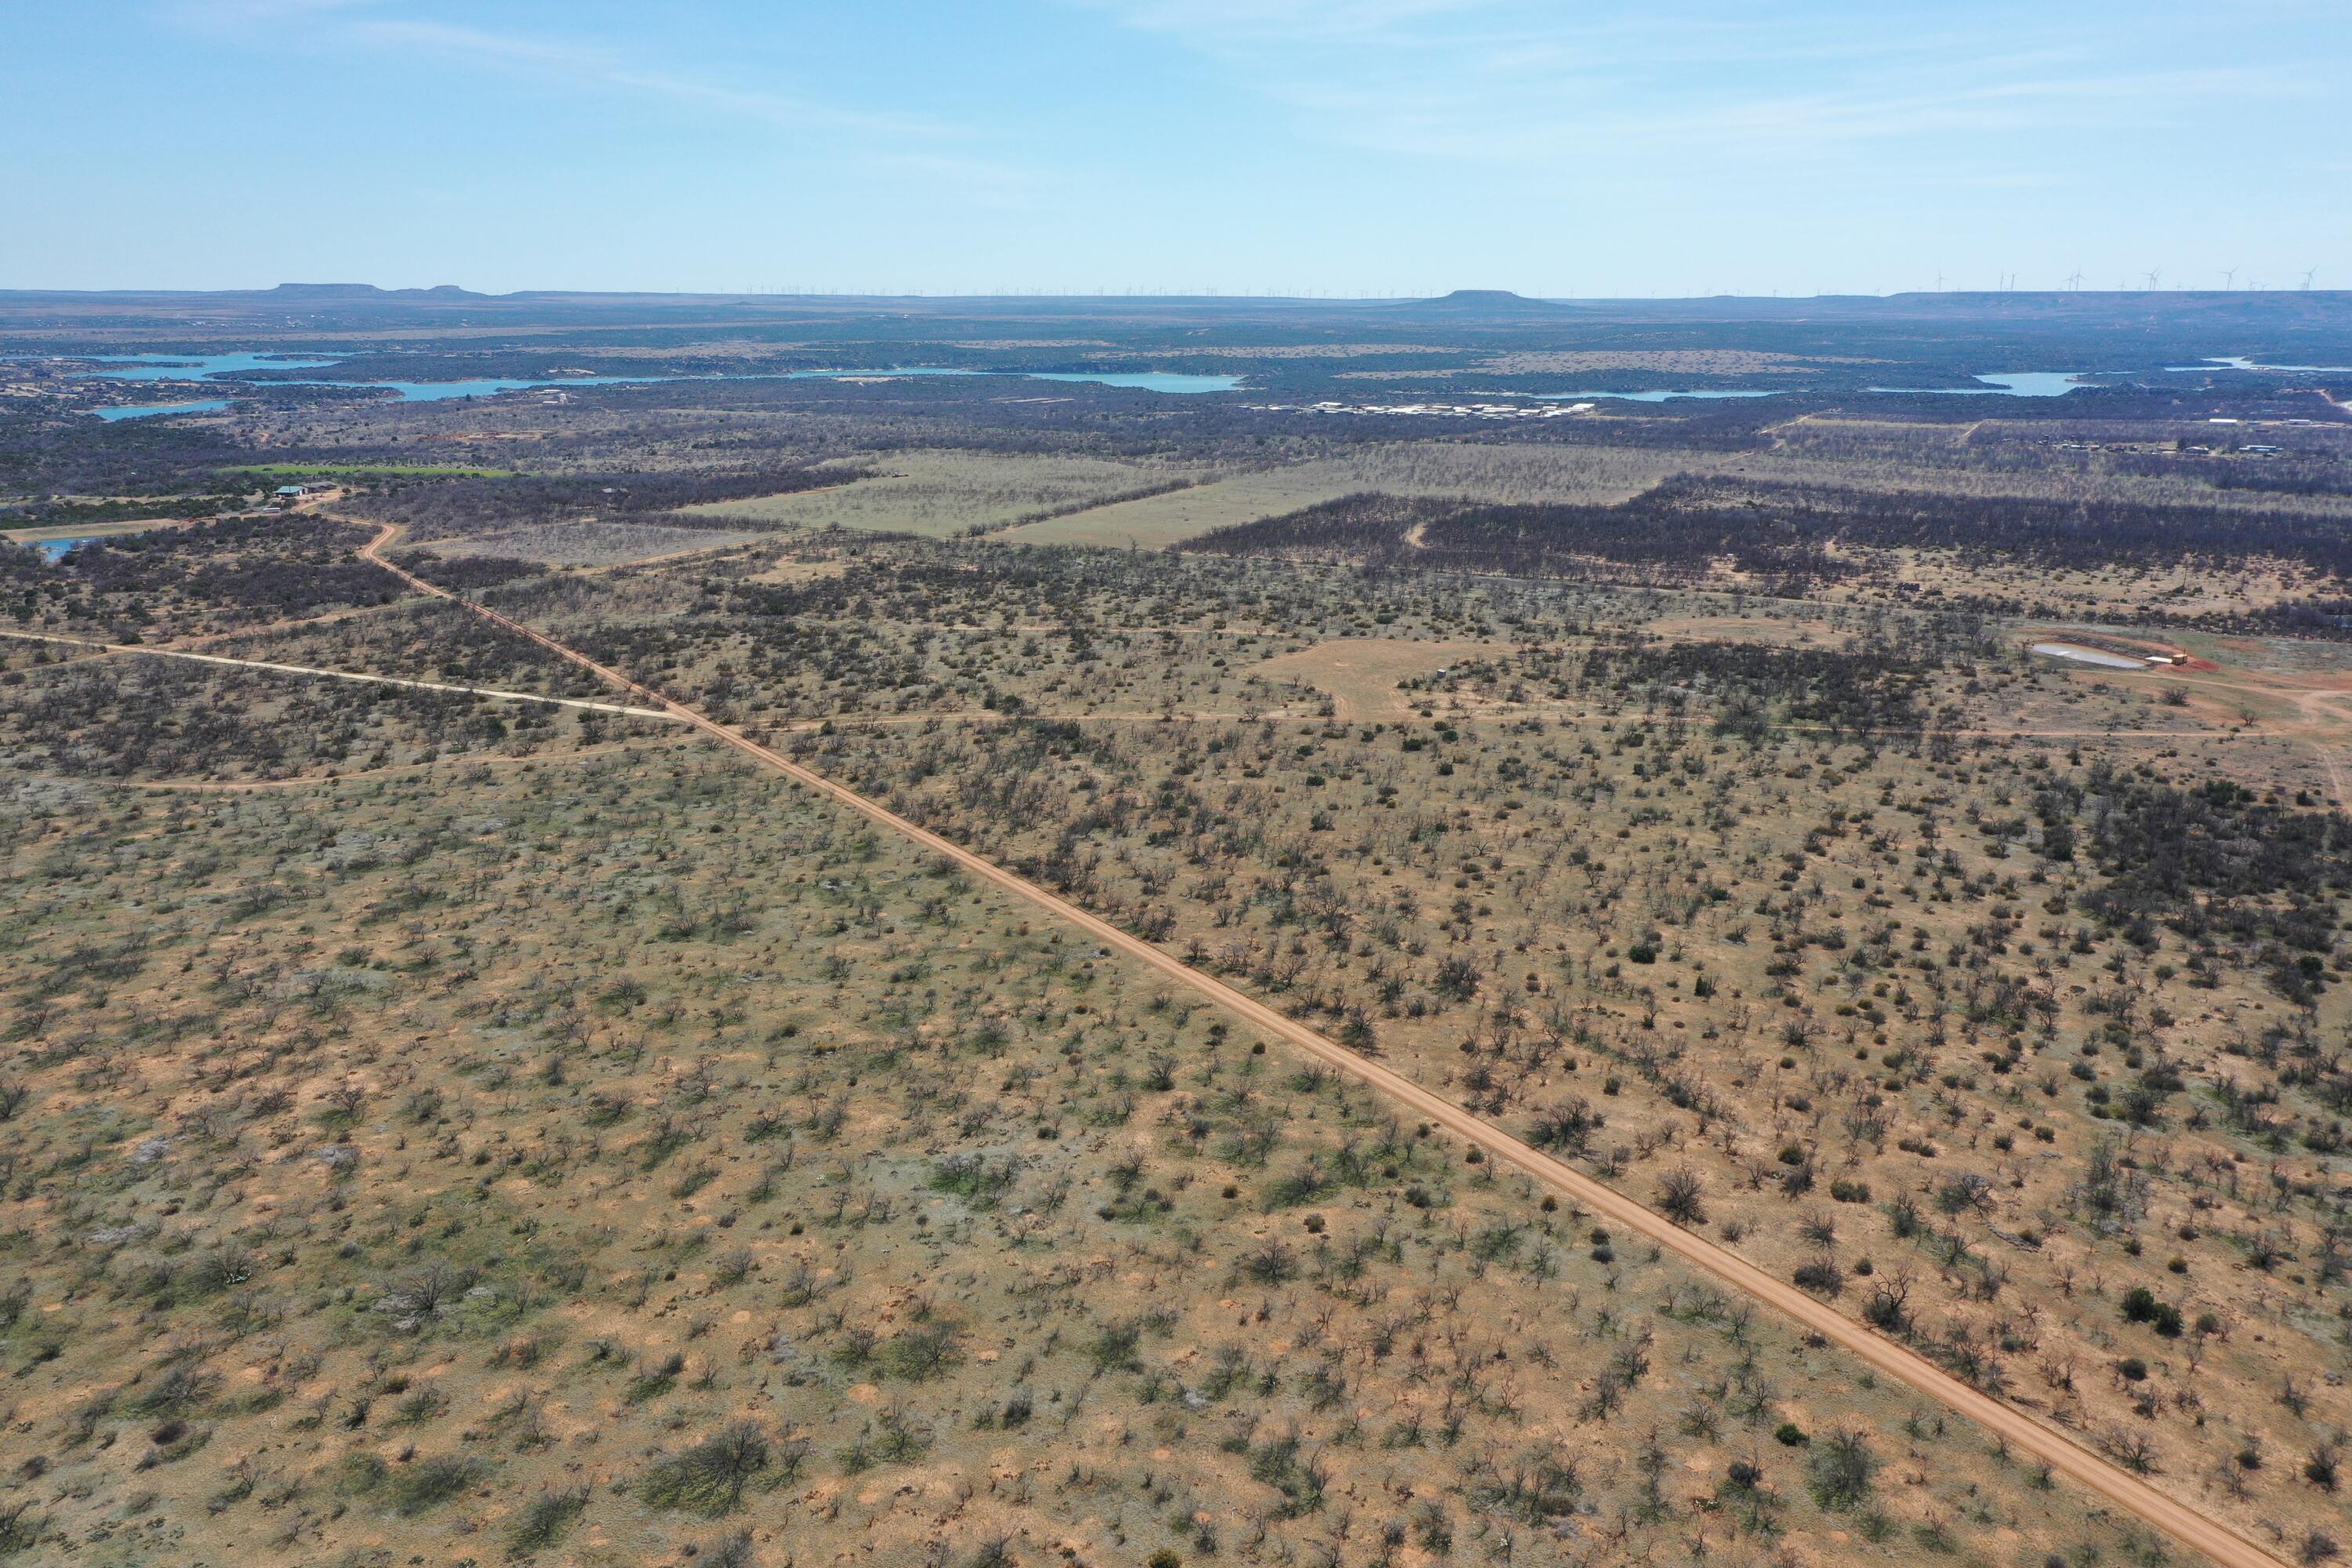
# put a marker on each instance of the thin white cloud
(1514, 83)
(885, 144)
(229, 15)
(1238, 21)
(595, 66)
(1484, 124)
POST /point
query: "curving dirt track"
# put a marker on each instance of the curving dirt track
(2183, 1524)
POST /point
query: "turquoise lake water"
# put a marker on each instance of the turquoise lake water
(437, 391)
(194, 367)
(214, 367)
(148, 367)
(151, 410)
(1146, 380)
(2239, 362)
(2009, 383)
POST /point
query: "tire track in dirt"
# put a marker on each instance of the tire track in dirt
(137, 650)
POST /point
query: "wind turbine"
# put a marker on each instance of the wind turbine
(2307, 277)
(2076, 282)
(2228, 279)
(2152, 274)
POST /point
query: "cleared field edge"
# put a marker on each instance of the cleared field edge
(591, 543)
(941, 494)
(1581, 475)
(1438, 470)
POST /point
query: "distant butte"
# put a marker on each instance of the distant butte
(1481, 301)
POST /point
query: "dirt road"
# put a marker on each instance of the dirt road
(2023, 1433)
(133, 648)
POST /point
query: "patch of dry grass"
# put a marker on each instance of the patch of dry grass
(940, 494)
(1474, 472)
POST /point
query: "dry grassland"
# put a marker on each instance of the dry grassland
(943, 494)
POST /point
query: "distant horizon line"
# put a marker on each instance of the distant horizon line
(1467, 296)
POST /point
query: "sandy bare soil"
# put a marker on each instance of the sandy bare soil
(1360, 674)
(593, 544)
(2058, 1450)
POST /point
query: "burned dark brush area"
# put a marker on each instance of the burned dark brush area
(156, 718)
(469, 574)
(210, 576)
(1791, 538)
(2219, 863)
(1842, 692)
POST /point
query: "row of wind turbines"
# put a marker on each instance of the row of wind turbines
(2153, 279)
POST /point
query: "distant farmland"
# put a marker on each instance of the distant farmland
(939, 495)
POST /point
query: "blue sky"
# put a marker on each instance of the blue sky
(1378, 146)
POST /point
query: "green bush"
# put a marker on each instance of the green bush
(544, 1520)
(19, 1530)
(1842, 1471)
(921, 1352)
(709, 1478)
(429, 1483)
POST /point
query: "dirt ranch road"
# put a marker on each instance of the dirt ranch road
(139, 651)
(2175, 1520)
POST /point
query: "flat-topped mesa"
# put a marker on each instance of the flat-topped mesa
(371, 292)
(1482, 302)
